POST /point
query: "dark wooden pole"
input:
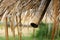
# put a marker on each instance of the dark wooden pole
(20, 26)
(6, 28)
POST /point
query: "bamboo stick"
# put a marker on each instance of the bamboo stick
(12, 28)
(34, 34)
(55, 7)
(40, 13)
(17, 27)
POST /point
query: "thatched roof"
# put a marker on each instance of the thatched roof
(9, 5)
(12, 6)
